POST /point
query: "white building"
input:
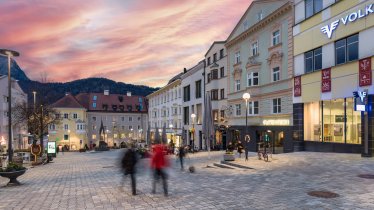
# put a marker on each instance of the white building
(165, 109)
(18, 96)
(193, 103)
(216, 86)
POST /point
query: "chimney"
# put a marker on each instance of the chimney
(128, 93)
(106, 92)
(184, 70)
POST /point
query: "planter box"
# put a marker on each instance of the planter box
(12, 176)
(228, 157)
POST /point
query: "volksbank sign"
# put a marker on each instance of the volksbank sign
(328, 29)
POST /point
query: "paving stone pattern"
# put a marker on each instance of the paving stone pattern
(91, 181)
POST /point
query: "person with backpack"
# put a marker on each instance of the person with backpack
(182, 154)
(129, 161)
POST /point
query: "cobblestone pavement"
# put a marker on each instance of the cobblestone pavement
(91, 181)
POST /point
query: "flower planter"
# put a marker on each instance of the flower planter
(228, 157)
(12, 176)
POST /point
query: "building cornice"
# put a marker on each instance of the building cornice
(165, 88)
(260, 25)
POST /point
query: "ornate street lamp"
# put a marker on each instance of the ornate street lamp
(246, 97)
(9, 54)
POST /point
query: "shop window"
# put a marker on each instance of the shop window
(346, 49)
(353, 126)
(333, 121)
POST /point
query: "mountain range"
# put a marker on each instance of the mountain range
(52, 91)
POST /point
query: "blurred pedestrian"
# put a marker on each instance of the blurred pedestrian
(128, 165)
(158, 164)
(240, 149)
(246, 146)
(182, 153)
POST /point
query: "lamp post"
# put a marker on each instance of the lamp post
(34, 93)
(193, 130)
(9, 54)
(246, 97)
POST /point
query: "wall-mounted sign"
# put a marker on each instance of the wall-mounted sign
(326, 80)
(276, 122)
(365, 77)
(51, 149)
(361, 100)
(329, 29)
(297, 86)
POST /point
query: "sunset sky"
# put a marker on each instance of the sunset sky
(133, 41)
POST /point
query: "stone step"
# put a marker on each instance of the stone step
(235, 165)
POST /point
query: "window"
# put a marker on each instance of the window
(252, 79)
(186, 115)
(237, 57)
(66, 127)
(52, 127)
(238, 110)
(94, 127)
(130, 127)
(209, 77)
(130, 119)
(138, 118)
(276, 74)
(66, 137)
(237, 85)
(254, 48)
(276, 38)
(222, 93)
(214, 74)
(66, 115)
(186, 93)
(346, 49)
(198, 89)
(214, 57)
(214, 95)
(276, 106)
(221, 54)
(313, 60)
(93, 136)
(222, 114)
(222, 71)
(215, 115)
(208, 61)
(94, 98)
(253, 108)
(94, 119)
(312, 7)
(75, 116)
(94, 105)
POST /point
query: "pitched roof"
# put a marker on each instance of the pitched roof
(68, 101)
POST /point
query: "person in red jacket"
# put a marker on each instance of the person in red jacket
(158, 164)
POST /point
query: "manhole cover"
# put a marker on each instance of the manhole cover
(323, 194)
(366, 176)
(108, 166)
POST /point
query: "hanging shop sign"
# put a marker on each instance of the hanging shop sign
(329, 29)
(297, 86)
(365, 77)
(361, 100)
(326, 80)
(276, 122)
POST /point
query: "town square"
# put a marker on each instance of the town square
(164, 104)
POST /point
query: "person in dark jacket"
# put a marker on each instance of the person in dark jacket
(246, 146)
(128, 165)
(182, 153)
(240, 149)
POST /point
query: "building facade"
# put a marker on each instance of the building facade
(165, 109)
(216, 86)
(193, 106)
(259, 53)
(333, 89)
(72, 130)
(19, 132)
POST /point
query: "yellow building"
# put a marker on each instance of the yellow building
(333, 68)
(71, 132)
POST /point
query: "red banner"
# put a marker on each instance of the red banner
(326, 80)
(364, 75)
(297, 86)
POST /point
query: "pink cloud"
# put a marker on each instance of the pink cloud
(141, 42)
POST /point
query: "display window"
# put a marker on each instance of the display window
(332, 121)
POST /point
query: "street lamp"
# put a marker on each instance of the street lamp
(246, 97)
(9, 54)
(193, 115)
(34, 93)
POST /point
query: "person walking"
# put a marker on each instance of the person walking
(182, 153)
(158, 164)
(240, 148)
(128, 165)
(246, 146)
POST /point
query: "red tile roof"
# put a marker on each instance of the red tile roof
(68, 101)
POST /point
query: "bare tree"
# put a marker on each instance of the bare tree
(37, 119)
